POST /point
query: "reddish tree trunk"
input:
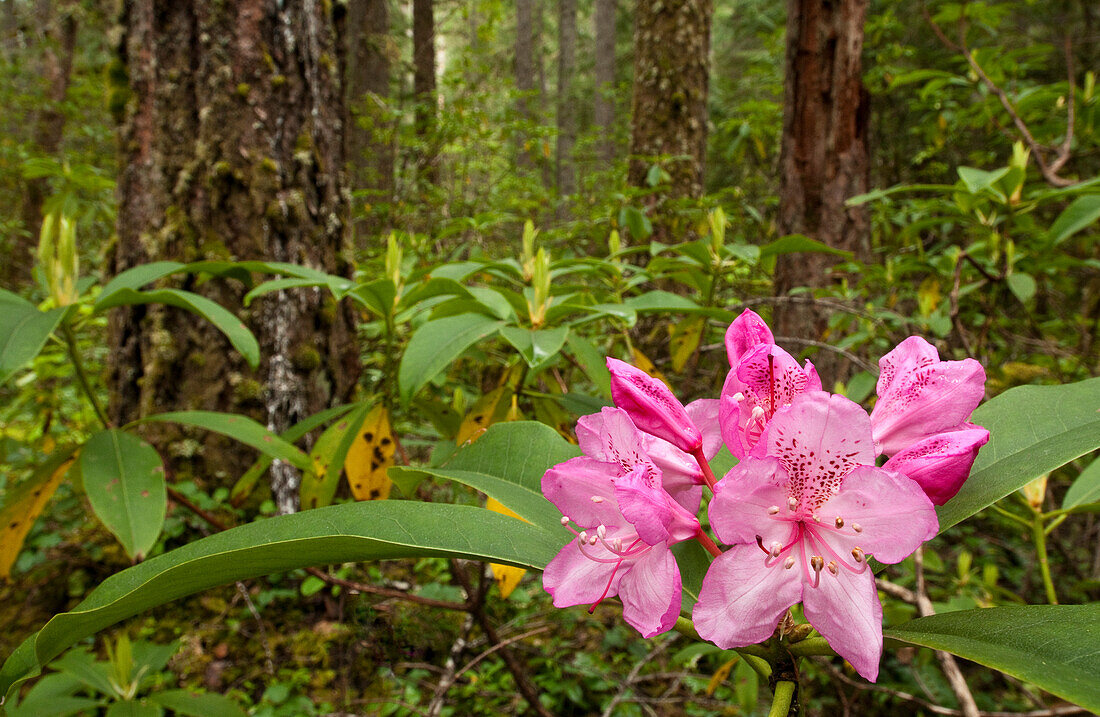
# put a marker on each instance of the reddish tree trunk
(824, 156)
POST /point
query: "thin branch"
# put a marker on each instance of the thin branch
(873, 370)
(947, 661)
(632, 677)
(1048, 170)
(450, 674)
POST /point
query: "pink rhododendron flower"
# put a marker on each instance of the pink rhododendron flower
(653, 408)
(627, 523)
(764, 379)
(803, 515)
(611, 436)
(920, 418)
(940, 464)
(920, 396)
(746, 332)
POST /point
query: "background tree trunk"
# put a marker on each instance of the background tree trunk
(824, 155)
(231, 149)
(669, 106)
(369, 127)
(604, 103)
(567, 117)
(424, 86)
(527, 43)
(59, 29)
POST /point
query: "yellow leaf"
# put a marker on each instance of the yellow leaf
(370, 456)
(686, 336)
(507, 576)
(928, 296)
(25, 502)
(720, 676)
(484, 413)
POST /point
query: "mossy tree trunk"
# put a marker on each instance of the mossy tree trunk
(424, 88)
(567, 116)
(369, 129)
(231, 149)
(824, 154)
(669, 105)
(603, 111)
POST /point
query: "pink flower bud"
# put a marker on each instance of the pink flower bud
(652, 407)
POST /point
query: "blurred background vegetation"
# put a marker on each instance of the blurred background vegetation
(592, 178)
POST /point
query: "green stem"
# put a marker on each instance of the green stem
(1039, 536)
(810, 646)
(759, 664)
(781, 701)
(1011, 516)
(81, 376)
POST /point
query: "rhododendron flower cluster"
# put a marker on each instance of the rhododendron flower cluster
(803, 510)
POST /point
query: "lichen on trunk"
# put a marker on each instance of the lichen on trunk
(231, 149)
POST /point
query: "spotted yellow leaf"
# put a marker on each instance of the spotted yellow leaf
(370, 456)
(25, 502)
(507, 576)
(487, 411)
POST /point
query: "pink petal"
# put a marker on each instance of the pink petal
(919, 395)
(651, 592)
(704, 414)
(845, 609)
(742, 600)
(651, 406)
(743, 499)
(645, 505)
(819, 438)
(766, 378)
(574, 579)
(940, 464)
(747, 331)
(894, 514)
(680, 473)
(611, 436)
(582, 489)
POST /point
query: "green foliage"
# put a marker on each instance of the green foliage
(1049, 645)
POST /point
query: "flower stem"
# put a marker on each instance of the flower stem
(1039, 537)
(707, 543)
(82, 377)
(781, 700)
(708, 474)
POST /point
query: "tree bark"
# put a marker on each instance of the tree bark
(528, 102)
(58, 46)
(369, 128)
(424, 86)
(231, 149)
(567, 118)
(604, 103)
(824, 155)
(669, 106)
